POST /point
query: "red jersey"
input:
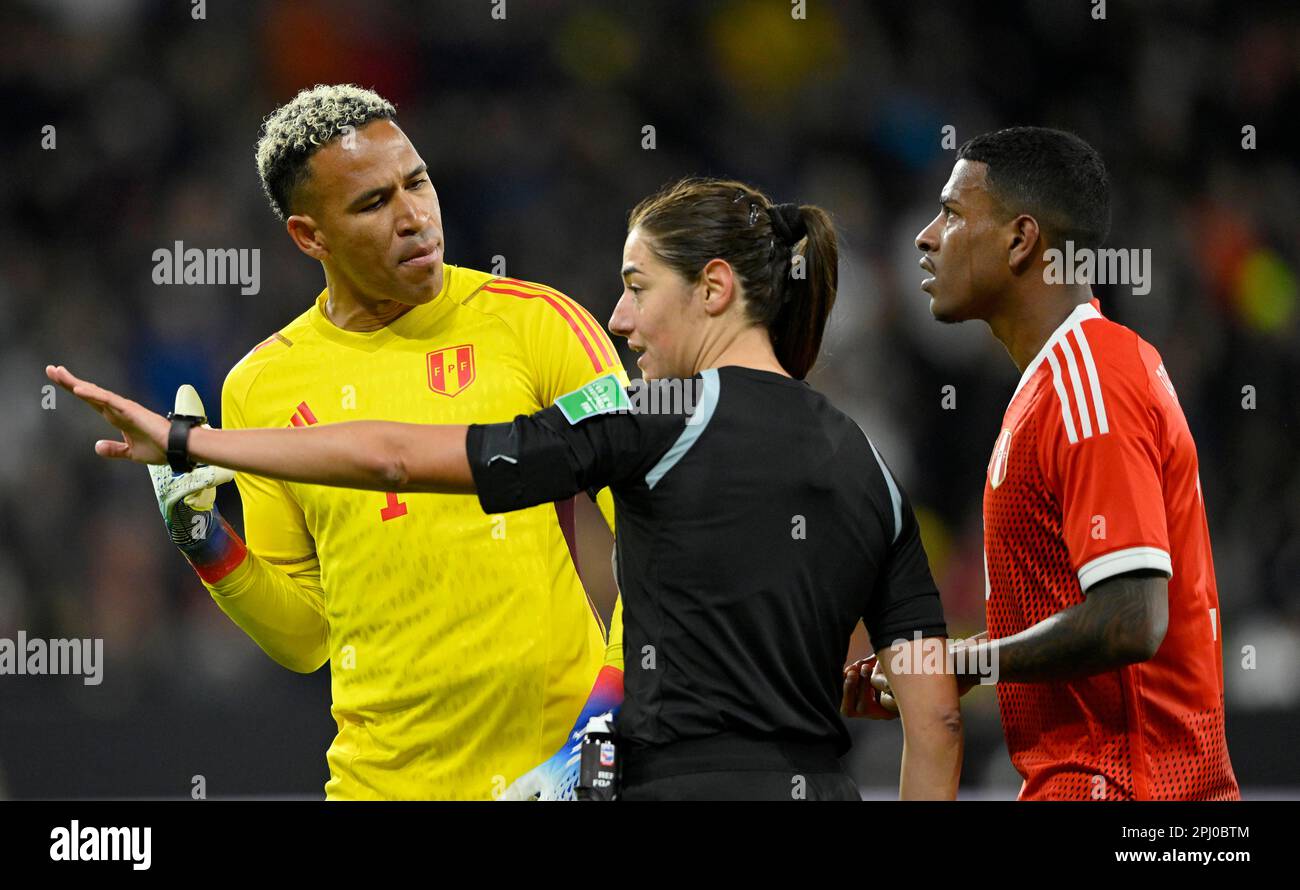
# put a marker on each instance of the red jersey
(1095, 474)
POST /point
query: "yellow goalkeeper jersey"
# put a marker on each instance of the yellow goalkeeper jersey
(461, 646)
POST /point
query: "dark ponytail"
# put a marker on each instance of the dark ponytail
(807, 290)
(784, 255)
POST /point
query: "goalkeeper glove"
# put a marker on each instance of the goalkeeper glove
(557, 778)
(188, 505)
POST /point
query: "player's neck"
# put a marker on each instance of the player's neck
(1029, 322)
(352, 311)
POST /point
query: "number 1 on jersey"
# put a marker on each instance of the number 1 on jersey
(394, 509)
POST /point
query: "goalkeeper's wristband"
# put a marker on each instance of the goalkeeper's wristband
(207, 540)
(606, 695)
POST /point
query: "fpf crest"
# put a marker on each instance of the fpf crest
(451, 370)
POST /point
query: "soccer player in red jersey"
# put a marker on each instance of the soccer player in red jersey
(1103, 614)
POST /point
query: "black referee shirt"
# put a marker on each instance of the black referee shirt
(752, 534)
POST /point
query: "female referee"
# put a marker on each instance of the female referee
(756, 526)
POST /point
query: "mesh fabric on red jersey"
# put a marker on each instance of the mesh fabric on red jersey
(1094, 474)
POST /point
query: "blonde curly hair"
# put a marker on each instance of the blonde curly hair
(296, 130)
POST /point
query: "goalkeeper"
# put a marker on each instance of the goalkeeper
(463, 649)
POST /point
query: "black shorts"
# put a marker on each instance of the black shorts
(734, 767)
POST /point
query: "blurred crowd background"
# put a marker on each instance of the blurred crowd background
(533, 130)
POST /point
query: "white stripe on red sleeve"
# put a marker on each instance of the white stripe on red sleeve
(1066, 417)
(1120, 561)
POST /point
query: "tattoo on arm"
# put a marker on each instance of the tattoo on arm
(1122, 621)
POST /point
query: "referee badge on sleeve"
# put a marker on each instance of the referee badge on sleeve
(604, 395)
